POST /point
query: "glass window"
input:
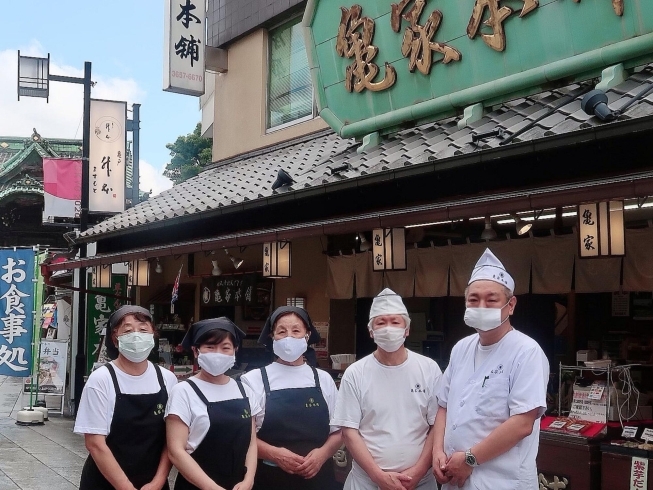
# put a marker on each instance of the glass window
(290, 93)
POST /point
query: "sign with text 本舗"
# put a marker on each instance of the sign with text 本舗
(379, 64)
(183, 47)
(107, 158)
(17, 309)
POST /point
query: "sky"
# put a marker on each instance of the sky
(123, 39)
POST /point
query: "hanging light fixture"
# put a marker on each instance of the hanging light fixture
(236, 261)
(139, 273)
(389, 249)
(601, 229)
(521, 226)
(277, 259)
(365, 245)
(488, 233)
(159, 268)
(101, 277)
(216, 271)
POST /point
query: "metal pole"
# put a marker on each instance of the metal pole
(136, 137)
(80, 358)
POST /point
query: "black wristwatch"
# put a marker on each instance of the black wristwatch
(470, 459)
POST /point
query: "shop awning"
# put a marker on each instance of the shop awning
(626, 186)
(322, 163)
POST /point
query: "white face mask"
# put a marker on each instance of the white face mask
(136, 346)
(389, 338)
(216, 363)
(290, 348)
(485, 319)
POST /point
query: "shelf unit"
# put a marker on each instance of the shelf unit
(604, 370)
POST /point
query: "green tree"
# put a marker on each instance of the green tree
(189, 154)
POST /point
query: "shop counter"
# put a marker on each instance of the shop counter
(568, 458)
(616, 464)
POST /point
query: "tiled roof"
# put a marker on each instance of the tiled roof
(310, 160)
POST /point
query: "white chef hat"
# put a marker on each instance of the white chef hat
(387, 302)
(489, 268)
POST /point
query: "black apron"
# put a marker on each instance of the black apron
(223, 451)
(296, 419)
(137, 437)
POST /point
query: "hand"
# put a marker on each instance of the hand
(457, 469)
(313, 461)
(416, 474)
(439, 465)
(287, 460)
(391, 480)
(156, 484)
(246, 484)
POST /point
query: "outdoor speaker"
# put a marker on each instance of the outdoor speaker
(283, 178)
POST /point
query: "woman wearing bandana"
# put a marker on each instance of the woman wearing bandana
(295, 441)
(121, 410)
(211, 436)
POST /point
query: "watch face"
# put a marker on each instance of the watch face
(470, 459)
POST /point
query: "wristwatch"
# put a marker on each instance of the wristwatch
(470, 459)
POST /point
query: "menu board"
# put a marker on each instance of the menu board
(585, 404)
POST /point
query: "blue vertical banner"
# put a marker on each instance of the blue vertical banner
(16, 311)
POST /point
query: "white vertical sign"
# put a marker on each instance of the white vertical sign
(378, 250)
(639, 474)
(588, 230)
(601, 229)
(107, 156)
(183, 47)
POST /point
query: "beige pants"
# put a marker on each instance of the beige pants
(358, 480)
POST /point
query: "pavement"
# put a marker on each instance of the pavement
(38, 457)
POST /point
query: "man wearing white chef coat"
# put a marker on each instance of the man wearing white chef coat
(492, 394)
(386, 406)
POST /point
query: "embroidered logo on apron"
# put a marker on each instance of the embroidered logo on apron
(312, 403)
(159, 409)
(245, 414)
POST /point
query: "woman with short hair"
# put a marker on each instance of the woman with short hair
(211, 436)
(295, 441)
(121, 410)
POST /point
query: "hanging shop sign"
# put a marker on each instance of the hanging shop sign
(183, 47)
(230, 291)
(98, 311)
(389, 249)
(17, 309)
(107, 158)
(377, 64)
(601, 230)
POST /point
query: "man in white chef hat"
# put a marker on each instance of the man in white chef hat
(492, 394)
(386, 406)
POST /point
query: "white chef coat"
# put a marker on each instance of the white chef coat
(391, 406)
(283, 377)
(511, 380)
(95, 411)
(185, 404)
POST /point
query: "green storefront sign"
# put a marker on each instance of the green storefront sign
(378, 64)
(98, 310)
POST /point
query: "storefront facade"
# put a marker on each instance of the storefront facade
(451, 152)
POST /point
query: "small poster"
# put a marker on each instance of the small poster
(620, 304)
(52, 366)
(585, 408)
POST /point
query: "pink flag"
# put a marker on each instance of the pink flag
(62, 186)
